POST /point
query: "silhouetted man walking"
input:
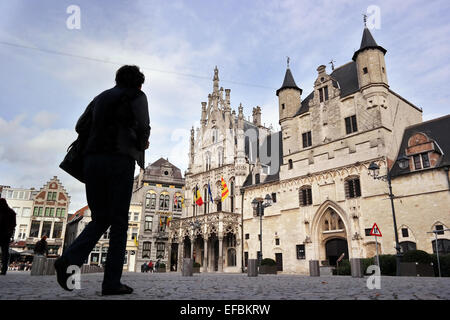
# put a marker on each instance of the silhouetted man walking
(117, 123)
(7, 227)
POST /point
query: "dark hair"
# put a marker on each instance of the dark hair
(129, 77)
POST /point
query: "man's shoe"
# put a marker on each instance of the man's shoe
(123, 289)
(61, 266)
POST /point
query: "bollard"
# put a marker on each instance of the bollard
(37, 268)
(187, 268)
(252, 268)
(355, 265)
(49, 269)
(314, 269)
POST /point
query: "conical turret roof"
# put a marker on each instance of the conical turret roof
(289, 82)
(368, 42)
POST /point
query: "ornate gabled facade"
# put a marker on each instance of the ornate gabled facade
(49, 216)
(157, 198)
(225, 146)
(325, 199)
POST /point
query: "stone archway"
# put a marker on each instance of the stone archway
(330, 222)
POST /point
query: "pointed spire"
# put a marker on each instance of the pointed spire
(368, 42)
(289, 82)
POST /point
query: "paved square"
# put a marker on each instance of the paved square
(220, 286)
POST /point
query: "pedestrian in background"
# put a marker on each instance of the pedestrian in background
(41, 247)
(117, 125)
(7, 227)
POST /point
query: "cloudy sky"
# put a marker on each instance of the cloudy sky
(50, 72)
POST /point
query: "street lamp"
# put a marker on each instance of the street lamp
(374, 170)
(437, 248)
(259, 204)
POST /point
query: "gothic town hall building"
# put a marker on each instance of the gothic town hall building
(316, 170)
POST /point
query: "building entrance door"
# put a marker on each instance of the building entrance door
(334, 248)
(279, 260)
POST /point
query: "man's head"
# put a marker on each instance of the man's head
(129, 77)
(44, 238)
(3, 204)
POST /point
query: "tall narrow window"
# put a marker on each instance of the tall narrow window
(306, 137)
(146, 249)
(323, 94)
(148, 223)
(305, 196)
(232, 195)
(147, 200)
(425, 160)
(417, 163)
(352, 188)
(290, 164)
(161, 202)
(153, 201)
(350, 124)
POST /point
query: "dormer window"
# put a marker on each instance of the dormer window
(323, 94)
(421, 161)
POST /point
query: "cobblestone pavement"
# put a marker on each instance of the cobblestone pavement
(219, 286)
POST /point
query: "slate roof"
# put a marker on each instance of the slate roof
(344, 77)
(289, 82)
(436, 130)
(368, 42)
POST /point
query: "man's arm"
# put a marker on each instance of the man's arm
(140, 110)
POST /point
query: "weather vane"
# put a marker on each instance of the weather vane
(287, 62)
(332, 64)
(365, 19)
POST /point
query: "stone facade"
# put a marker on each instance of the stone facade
(326, 199)
(226, 147)
(158, 197)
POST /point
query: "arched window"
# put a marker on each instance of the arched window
(166, 202)
(208, 161)
(215, 135)
(153, 201)
(161, 202)
(290, 164)
(147, 200)
(231, 257)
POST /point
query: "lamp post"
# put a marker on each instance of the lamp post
(259, 204)
(374, 171)
(437, 248)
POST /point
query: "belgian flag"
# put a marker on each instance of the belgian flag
(198, 197)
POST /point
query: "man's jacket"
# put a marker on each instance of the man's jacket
(117, 122)
(7, 223)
